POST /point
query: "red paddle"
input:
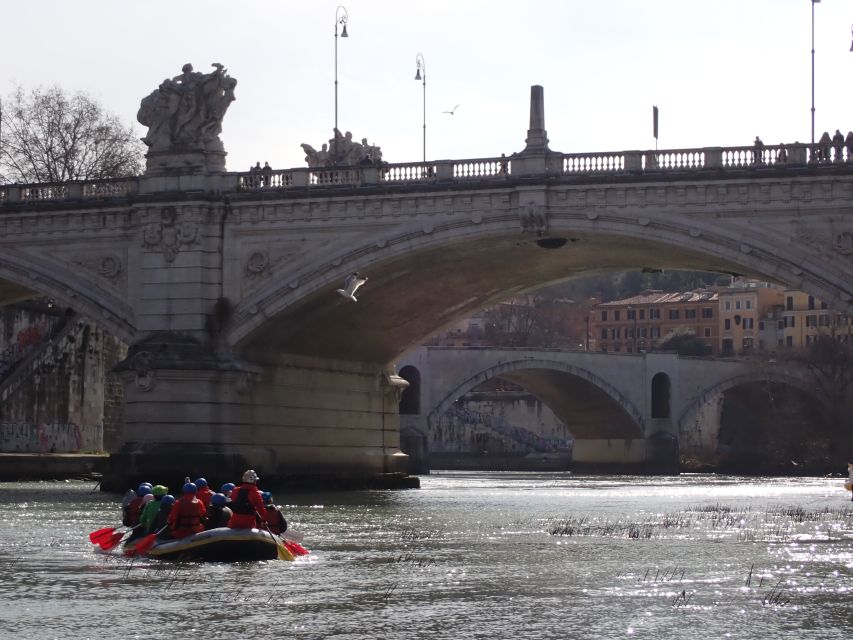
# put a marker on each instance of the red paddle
(96, 536)
(142, 547)
(108, 543)
(295, 548)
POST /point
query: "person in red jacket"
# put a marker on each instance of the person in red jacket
(204, 493)
(186, 516)
(246, 503)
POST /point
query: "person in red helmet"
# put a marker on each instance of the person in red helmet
(246, 503)
(187, 514)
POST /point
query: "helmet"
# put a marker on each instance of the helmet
(227, 487)
(201, 482)
(148, 498)
(143, 490)
(167, 499)
(267, 496)
(159, 491)
(218, 500)
(144, 484)
(250, 476)
(190, 487)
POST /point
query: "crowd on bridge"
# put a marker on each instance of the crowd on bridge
(826, 150)
(151, 509)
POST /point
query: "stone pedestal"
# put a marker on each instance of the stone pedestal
(299, 423)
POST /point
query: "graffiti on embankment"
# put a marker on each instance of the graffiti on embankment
(59, 437)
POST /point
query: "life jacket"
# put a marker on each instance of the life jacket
(218, 517)
(240, 502)
(132, 511)
(188, 516)
(204, 494)
(275, 519)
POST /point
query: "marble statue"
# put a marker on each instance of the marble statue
(185, 112)
(342, 150)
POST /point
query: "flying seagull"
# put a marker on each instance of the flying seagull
(452, 110)
(351, 285)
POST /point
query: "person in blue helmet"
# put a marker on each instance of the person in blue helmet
(218, 513)
(226, 490)
(188, 514)
(204, 493)
(162, 518)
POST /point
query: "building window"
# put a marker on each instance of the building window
(630, 314)
(748, 304)
(811, 321)
(604, 334)
(604, 316)
(727, 324)
(737, 304)
(728, 347)
(790, 321)
(761, 325)
(823, 305)
(707, 312)
(707, 332)
(810, 339)
(728, 305)
(780, 324)
(789, 341)
(811, 303)
(654, 314)
(643, 332)
(747, 344)
(690, 314)
(674, 314)
(748, 323)
(789, 303)
(823, 320)
(642, 314)
(616, 314)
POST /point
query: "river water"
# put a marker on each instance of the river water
(469, 555)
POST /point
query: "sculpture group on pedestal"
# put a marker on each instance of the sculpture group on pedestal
(343, 151)
(185, 113)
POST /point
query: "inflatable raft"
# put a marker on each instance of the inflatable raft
(219, 545)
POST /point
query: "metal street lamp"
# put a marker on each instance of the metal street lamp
(419, 61)
(814, 2)
(851, 43)
(342, 20)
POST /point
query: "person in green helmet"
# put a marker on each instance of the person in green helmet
(150, 510)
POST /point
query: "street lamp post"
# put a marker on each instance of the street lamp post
(814, 2)
(419, 61)
(341, 17)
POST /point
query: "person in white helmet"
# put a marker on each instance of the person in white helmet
(246, 503)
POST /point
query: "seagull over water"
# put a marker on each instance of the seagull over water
(351, 285)
(452, 110)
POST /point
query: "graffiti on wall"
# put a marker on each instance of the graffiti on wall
(58, 437)
(27, 338)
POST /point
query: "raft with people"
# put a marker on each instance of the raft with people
(239, 523)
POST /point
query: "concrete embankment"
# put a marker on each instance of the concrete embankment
(50, 466)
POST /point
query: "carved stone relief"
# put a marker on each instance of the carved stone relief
(533, 218)
(169, 235)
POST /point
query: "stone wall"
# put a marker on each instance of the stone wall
(57, 390)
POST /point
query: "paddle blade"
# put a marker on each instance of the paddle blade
(108, 543)
(282, 552)
(96, 536)
(293, 536)
(295, 548)
(145, 544)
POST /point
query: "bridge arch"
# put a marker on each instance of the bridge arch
(450, 269)
(410, 398)
(690, 412)
(537, 376)
(27, 277)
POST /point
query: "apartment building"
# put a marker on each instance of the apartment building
(644, 321)
(746, 308)
(806, 317)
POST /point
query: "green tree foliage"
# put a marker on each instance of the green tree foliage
(49, 135)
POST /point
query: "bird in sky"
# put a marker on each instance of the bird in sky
(351, 285)
(452, 110)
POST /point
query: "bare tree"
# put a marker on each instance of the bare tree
(51, 136)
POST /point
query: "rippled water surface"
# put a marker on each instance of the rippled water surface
(469, 555)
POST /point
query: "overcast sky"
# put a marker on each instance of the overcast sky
(721, 71)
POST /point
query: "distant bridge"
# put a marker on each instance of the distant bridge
(620, 408)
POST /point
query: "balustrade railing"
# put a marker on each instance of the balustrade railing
(757, 156)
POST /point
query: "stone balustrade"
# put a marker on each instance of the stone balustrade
(575, 165)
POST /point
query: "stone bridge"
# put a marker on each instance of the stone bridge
(223, 284)
(620, 408)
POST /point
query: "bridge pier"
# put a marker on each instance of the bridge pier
(300, 422)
